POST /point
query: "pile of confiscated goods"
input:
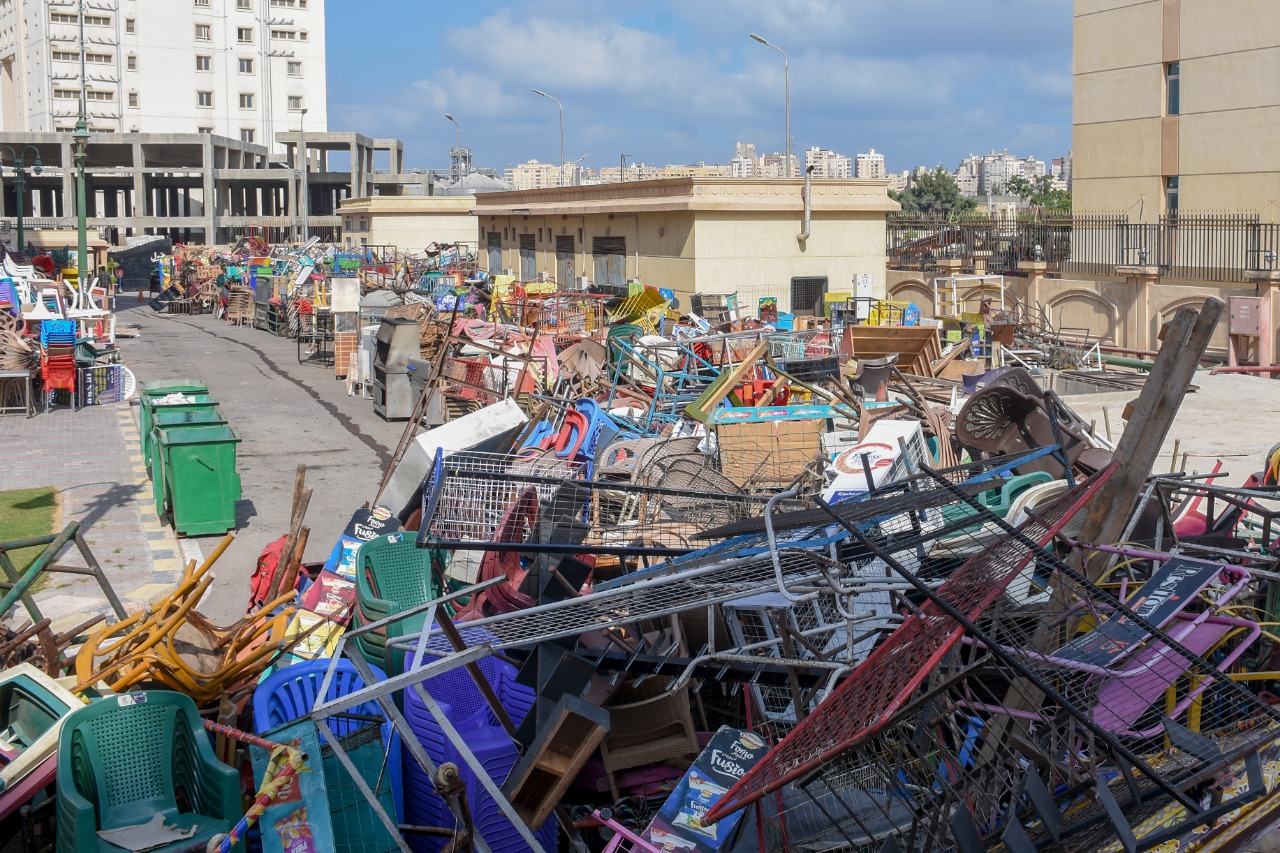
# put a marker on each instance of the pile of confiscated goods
(658, 584)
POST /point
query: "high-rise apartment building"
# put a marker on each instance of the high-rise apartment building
(1176, 106)
(828, 164)
(244, 69)
(869, 164)
(534, 175)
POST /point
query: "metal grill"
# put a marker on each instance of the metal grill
(877, 690)
(496, 502)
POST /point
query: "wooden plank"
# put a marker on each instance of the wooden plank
(724, 384)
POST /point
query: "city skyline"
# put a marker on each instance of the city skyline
(920, 80)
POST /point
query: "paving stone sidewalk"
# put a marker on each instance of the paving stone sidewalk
(92, 458)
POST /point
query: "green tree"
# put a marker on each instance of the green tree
(1039, 192)
(933, 193)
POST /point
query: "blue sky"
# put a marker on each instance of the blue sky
(679, 81)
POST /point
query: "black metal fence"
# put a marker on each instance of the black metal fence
(1191, 247)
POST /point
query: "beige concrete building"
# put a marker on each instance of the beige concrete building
(409, 223)
(694, 235)
(1177, 106)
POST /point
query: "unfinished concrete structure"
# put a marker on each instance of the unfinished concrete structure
(201, 188)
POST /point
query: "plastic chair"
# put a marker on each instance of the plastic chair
(648, 724)
(124, 759)
(290, 693)
(392, 575)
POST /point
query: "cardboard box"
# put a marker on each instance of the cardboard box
(768, 453)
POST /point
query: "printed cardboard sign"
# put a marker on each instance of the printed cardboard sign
(680, 822)
(1157, 601)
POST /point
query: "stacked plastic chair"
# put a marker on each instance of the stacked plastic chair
(125, 759)
(392, 575)
(289, 694)
(467, 710)
(58, 357)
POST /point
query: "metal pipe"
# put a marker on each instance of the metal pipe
(1247, 368)
(808, 189)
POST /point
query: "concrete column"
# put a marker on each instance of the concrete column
(1268, 283)
(139, 207)
(1136, 311)
(209, 194)
(1029, 293)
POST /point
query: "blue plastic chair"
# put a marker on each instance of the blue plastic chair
(289, 694)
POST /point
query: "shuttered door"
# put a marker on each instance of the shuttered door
(564, 262)
(494, 246)
(527, 261)
(610, 256)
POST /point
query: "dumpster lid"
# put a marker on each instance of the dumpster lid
(184, 400)
(211, 434)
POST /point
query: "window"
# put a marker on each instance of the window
(286, 35)
(74, 95)
(91, 58)
(807, 295)
(288, 3)
(246, 134)
(204, 130)
(204, 99)
(1171, 86)
(244, 35)
(246, 66)
(246, 101)
(130, 25)
(1171, 195)
(89, 20)
(203, 32)
(242, 4)
(131, 63)
(202, 3)
(204, 63)
(302, 36)
(133, 100)
(295, 103)
(295, 69)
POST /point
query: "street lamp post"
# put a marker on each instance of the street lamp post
(622, 168)
(786, 70)
(302, 151)
(561, 107)
(81, 138)
(458, 170)
(20, 183)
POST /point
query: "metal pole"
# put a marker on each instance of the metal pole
(302, 150)
(561, 109)
(786, 70)
(81, 137)
(458, 171)
(22, 188)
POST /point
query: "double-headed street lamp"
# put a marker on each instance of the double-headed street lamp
(561, 106)
(457, 163)
(786, 70)
(20, 182)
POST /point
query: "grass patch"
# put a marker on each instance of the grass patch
(26, 513)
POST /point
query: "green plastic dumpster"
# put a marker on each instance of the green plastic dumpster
(166, 419)
(173, 402)
(200, 479)
(159, 388)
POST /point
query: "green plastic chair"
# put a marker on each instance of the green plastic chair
(392, 575)
(126, 758)
(997, 500)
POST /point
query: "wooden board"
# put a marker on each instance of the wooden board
(917, 346)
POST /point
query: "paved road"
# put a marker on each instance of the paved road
(286, 413)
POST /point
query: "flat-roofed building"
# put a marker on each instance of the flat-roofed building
(694, 236)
